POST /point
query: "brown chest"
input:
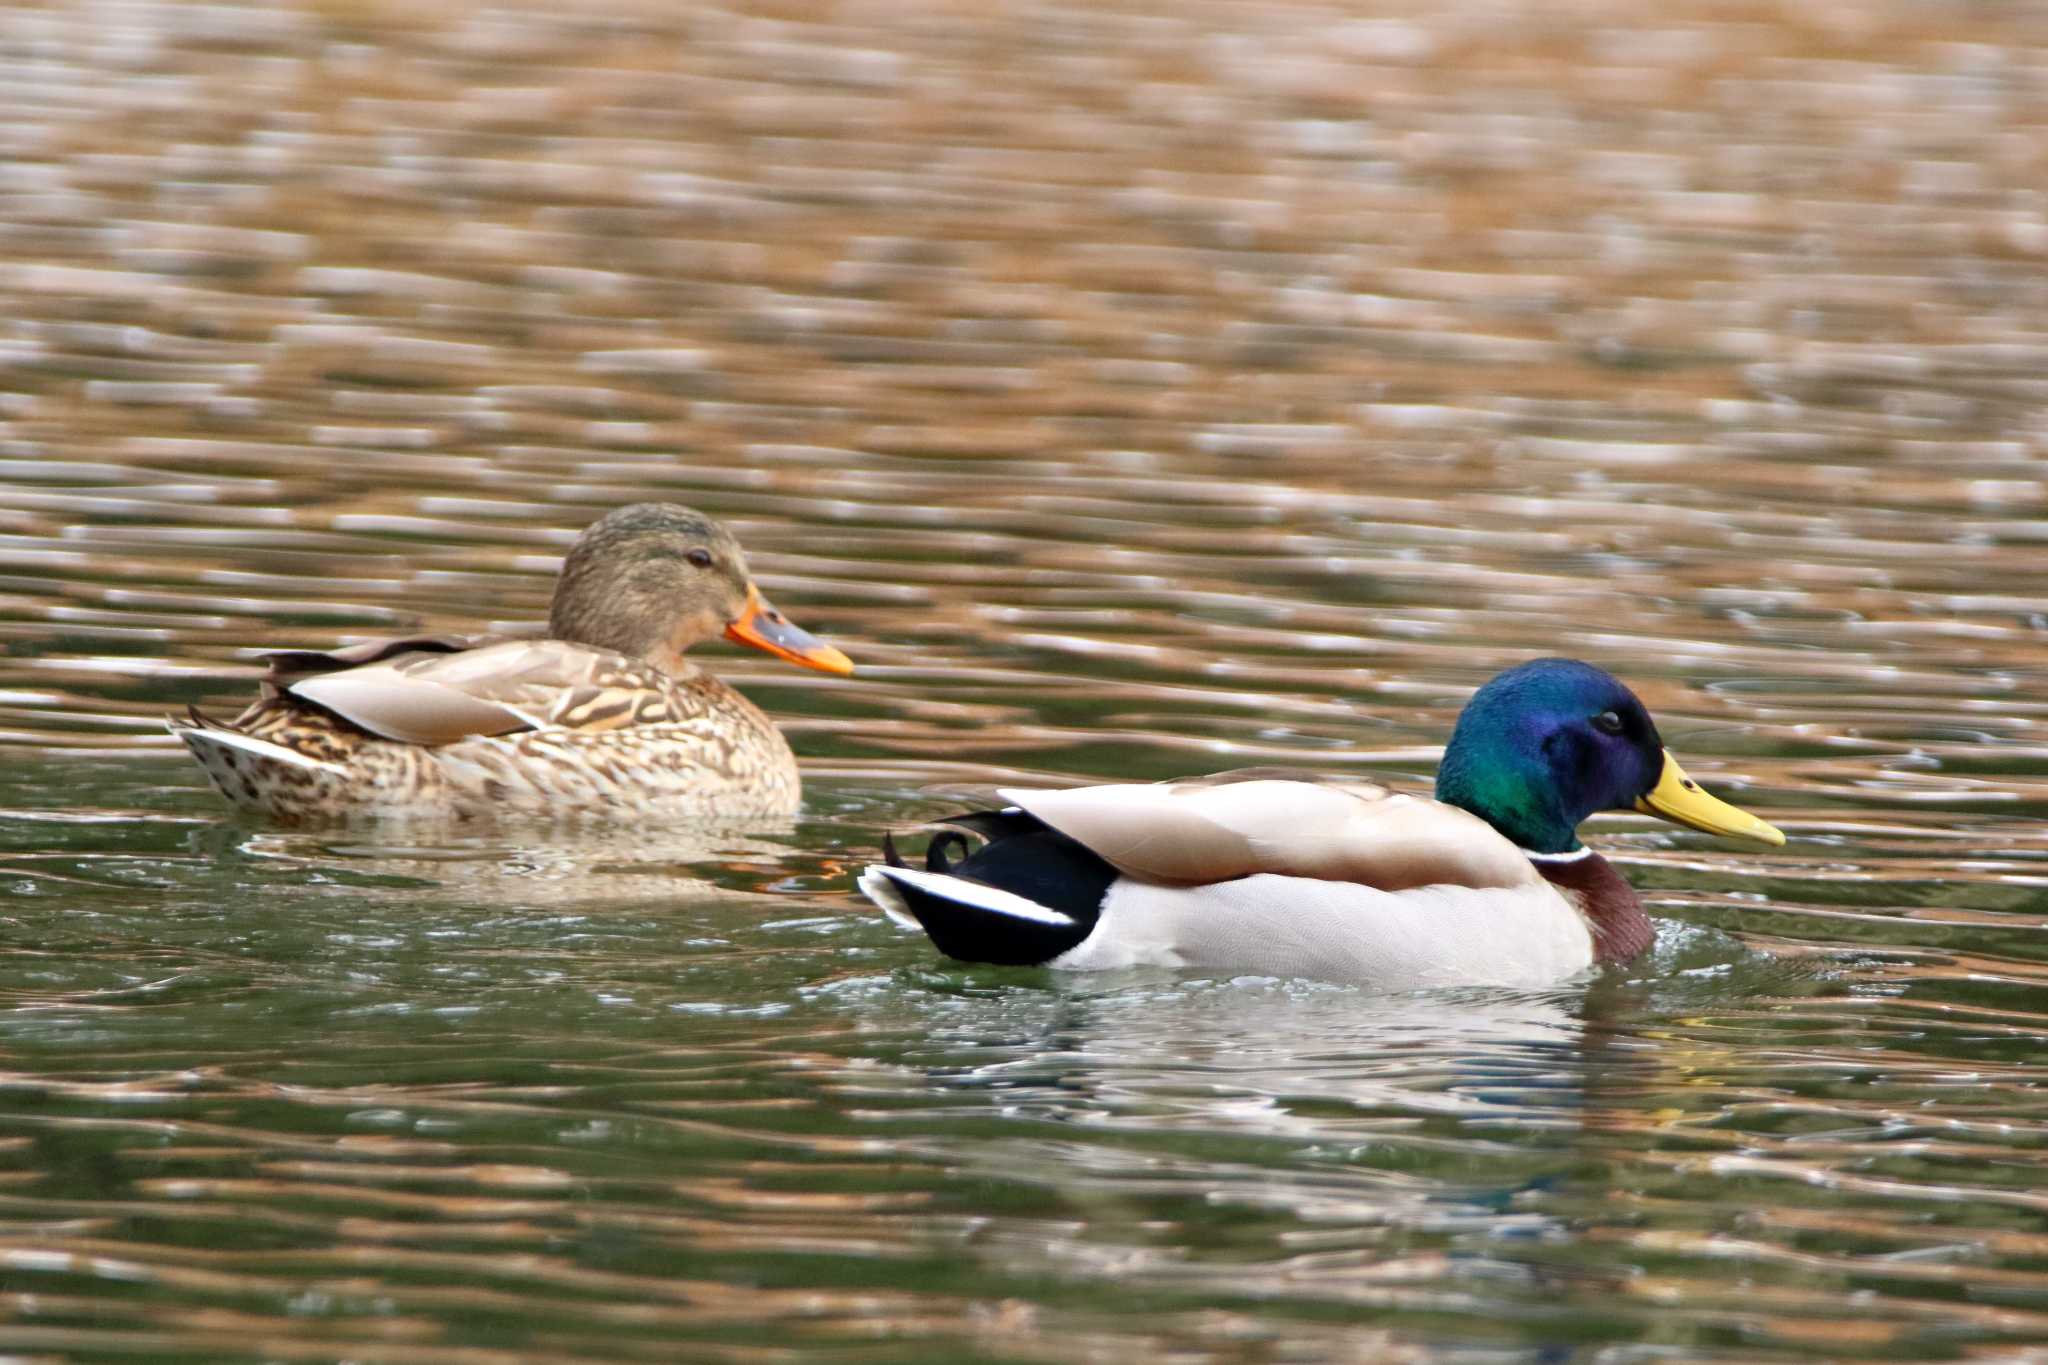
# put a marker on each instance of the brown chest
(1621, 928)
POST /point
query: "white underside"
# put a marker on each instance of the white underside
(1340, 931)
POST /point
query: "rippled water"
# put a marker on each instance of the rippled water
(1132, 390)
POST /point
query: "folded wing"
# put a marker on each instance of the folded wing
(1193, 833)
(425, 697)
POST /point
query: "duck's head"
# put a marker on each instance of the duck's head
(1546, 744)
(654, 578)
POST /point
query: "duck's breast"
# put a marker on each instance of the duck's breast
(1340, 931)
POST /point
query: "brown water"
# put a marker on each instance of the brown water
(1133, 390)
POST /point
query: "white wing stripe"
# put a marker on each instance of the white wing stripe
(989, 898)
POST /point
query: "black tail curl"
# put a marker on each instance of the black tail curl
(936, 857)
(937, 854)
(1021, 856)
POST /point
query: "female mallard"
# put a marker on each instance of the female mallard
(1486, 885)
(604, 715)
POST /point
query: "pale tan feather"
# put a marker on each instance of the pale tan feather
(1196, 833)
(495, 690)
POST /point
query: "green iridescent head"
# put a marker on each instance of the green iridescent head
(1547, 743)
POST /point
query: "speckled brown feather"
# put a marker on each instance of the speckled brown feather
(614, 735)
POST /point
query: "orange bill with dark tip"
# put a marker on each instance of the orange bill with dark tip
(765, 628)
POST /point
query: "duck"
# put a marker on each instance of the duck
(1263, 872)
(603, 716)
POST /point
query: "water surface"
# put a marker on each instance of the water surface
(1133, 391)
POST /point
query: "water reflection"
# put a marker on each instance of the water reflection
(535, 865)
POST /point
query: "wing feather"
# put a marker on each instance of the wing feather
(1195, 833)
(439, 698)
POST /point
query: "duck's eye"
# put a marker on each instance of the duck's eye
(700, 557)
(1607, 723)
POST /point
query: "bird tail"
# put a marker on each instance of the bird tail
(251, 772)
(969, 920)
(209, 740)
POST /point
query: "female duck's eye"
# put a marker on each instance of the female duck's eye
(700, 557)
(1607, 723)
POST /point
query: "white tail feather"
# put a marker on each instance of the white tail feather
(877, 883)
(197, 739)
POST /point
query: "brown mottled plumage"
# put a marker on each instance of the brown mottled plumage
(605, 715)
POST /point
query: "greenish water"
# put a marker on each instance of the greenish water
(630, 1096)
(1132, 391)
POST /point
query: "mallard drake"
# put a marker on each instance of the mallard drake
(1487, 884)
(603, 715)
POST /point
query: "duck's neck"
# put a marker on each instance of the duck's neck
(670, 660)
(1620, 927)
(1525, 805)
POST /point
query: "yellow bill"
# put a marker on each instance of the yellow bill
(1682, 801)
